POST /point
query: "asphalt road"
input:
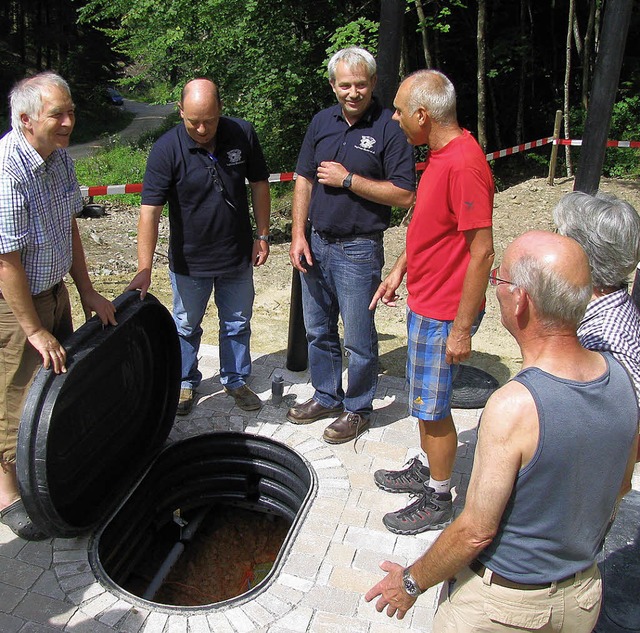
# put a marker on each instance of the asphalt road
(148, 117)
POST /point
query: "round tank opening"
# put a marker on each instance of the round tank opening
(209, 523)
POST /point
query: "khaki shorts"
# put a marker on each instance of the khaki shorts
(19, 360)
(472, 603)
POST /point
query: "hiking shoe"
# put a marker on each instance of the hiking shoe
(347, 427)
(430, 511)
(246, 399)
(310, 411)
(410, 479)
(185, 402)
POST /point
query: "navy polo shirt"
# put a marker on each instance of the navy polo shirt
(208, 236)
(375, 147)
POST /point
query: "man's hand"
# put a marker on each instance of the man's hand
(387, 291)
(458, 346)
(331, 174)
(391, 592)
(48, 346)
(260, 252)
(300, 254)
(141, 282)
(92, 301)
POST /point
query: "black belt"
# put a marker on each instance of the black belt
(496, 579)
(328, 237)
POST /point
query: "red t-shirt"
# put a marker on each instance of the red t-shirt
(455, 194)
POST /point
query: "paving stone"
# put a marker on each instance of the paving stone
(294, 582)
(70, 583)
(176, 623)
(332, 601)
(44, 610)
(86, 593)
(10, 596)
(297, 620)
(9, 623)
(98, 604)
(239, 620)
(115, 613)
(48, 585)
(10, 544)
(327, 622)
(81, 623)
(35, 627)
(39, 553)
(258, 614)
(198, 624)
(133, 621)
(218, 622)
(155, 622)
(20, 574)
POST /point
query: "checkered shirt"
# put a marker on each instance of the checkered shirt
(38, 200)
(612, 324)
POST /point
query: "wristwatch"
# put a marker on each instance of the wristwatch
(410, 585)
(346, 183)
(265, 238)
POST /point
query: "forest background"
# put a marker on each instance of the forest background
(514, 62)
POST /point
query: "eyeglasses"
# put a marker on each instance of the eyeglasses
(494, 280)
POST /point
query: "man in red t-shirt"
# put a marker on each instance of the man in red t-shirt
(447, 261)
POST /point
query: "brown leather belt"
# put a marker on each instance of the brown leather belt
(478, 568)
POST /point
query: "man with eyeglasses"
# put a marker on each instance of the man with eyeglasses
(555, 454)
(199, 169)
(447, 260)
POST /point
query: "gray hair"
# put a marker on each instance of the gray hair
(557, 301)
(607, 228)
(433, 91)
(26, 96)
(352, 57)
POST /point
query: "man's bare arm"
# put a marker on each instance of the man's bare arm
(147, 240)
(261, 202)
(300, 253)
(480, 242)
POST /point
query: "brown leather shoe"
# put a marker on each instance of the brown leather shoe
(310, 411)
(185, 402)
(347, 427)
(245, 399)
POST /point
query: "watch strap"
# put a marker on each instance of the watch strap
(346, 183)
(265, 238)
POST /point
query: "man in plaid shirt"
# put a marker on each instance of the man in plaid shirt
(39, 245)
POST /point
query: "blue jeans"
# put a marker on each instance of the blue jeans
(344, 276)
(233, 296)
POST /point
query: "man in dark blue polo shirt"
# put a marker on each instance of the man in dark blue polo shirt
(199, 168)
(354, 165)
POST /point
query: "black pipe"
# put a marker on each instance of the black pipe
(297, 352)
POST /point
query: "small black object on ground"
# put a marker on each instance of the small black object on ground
(472, 388)
(93, 211)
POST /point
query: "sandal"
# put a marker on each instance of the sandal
(15, 516)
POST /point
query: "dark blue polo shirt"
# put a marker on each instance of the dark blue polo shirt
(375, 147)
(208, 236)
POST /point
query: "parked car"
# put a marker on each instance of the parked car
(113, 96)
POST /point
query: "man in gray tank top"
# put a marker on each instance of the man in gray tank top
(555, 453)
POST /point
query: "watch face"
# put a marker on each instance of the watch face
(409, 586)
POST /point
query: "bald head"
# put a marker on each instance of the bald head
(200, 110)
(554, 271)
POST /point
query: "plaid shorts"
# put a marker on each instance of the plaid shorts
(429, 375)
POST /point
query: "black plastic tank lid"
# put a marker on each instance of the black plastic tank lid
(87, 435)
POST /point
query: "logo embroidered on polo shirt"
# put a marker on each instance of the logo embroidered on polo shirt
(235, 156)
(366, 144)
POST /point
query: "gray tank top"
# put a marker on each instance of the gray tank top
(562, 500)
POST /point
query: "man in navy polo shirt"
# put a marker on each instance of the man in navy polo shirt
(353, 166)
(199, 168)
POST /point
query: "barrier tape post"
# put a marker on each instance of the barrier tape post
(554, 147)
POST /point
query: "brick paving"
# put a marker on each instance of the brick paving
(319, 587)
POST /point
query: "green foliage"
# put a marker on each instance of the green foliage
(361, 32)
(114, 165)
(625, 126)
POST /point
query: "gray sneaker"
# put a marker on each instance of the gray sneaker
(411, 479)
(430, 511)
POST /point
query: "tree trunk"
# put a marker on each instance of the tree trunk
(567, 82)
(587, 58)
(428, 59)
(482, 74)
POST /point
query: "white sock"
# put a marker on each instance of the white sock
(440, 486)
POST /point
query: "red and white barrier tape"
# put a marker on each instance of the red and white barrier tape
(109, 190)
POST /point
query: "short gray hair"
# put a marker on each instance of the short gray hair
(26, 96)
(607, 228)
(433, 91)
(352, 57)
(557, 301)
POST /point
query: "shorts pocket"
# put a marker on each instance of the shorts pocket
(588, 596)
(529, 618)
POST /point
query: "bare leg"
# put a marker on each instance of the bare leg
(8, 485)
(439, 440)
